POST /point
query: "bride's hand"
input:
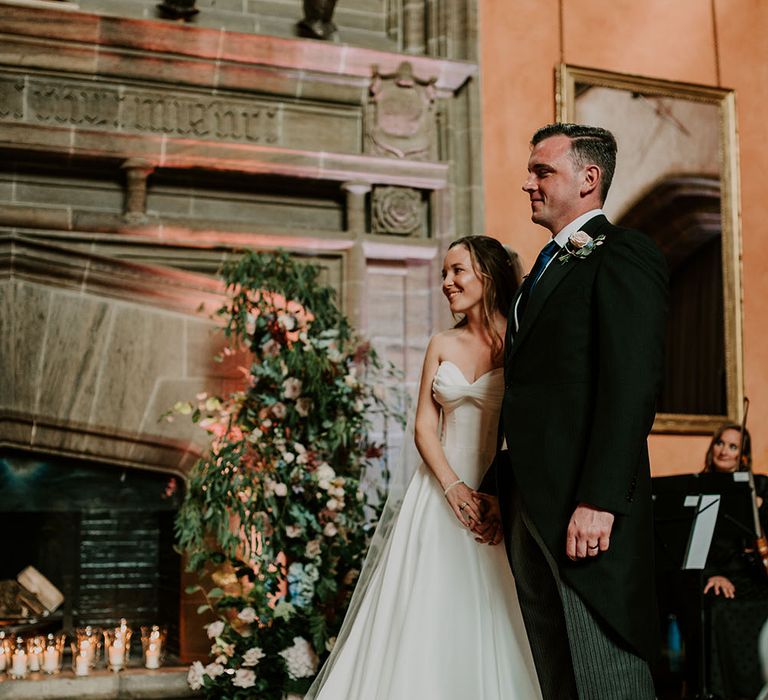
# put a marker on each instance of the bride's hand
(464, 507)
(488, 530)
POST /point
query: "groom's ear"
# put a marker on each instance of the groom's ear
(590, 179)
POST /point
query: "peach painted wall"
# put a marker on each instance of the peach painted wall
(521, 43)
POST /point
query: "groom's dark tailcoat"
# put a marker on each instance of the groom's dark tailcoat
(582, 374)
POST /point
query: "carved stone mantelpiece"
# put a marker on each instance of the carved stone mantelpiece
(400, 119)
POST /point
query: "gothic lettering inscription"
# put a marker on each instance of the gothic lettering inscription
(130, 109)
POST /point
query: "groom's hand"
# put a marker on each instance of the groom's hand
(589, 532)
(488, 530)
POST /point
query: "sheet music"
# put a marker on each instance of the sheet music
(703, 528)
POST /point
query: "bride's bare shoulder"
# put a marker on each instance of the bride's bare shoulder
(445, 341)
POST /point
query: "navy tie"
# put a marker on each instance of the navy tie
(546, 254)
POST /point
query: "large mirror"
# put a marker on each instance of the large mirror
(677, 181)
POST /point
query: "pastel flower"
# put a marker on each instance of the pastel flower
(280, 489)
(330, 529)
(312, 549)
(244, 678)
(214, 670)
(300, 659)
(292, 388)
(215, 629)
(247, 615)
(253, 656)
(303, 406)
(579, 239)
(293, 531)
(279, 410)
(195, 676)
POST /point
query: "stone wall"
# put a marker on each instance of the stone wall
(138, 154)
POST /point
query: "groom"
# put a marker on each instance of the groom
(584, 353)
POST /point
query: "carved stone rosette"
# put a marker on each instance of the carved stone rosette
(400, 116)
(397, 211)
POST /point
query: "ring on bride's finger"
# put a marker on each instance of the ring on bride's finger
(597, 546)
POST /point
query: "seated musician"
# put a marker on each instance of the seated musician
(736, 581)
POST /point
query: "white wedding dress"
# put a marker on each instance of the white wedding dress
(440, 619)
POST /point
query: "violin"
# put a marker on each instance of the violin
(760, 550)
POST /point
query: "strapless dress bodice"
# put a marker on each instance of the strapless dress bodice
(470, 417)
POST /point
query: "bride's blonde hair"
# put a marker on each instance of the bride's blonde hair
(499, 270)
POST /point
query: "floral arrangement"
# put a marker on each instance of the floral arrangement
(276, 520)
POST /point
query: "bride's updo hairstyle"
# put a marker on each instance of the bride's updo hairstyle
(499, 270)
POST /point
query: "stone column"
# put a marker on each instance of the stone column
(356, 269)
(136, 173)
(413, 26)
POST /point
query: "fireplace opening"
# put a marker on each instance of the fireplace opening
(102, 534)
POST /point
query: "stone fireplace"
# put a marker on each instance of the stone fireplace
(136, 155)
(102, 535)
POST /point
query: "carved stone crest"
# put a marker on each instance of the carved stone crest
(398, 211)
(400, 118)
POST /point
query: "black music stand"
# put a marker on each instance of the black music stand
(688, 510)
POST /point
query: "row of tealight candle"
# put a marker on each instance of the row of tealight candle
(44, 653)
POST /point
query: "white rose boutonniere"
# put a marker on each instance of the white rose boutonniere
(579, 245)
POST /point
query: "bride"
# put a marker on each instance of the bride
(435, 615)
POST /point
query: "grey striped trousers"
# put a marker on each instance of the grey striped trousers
(574, 655)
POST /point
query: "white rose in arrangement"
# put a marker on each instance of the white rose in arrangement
(253, 656)
(336, 492)
(247, 615)
(244, 678)
(292, 388)
(214, 670)
(279, 410)
(215, 629)
(292, 531)
(300, 659)
(288, 457)
(312, 549)
(280, 490)
(287, 321)
(330, 529)
(303, 406)
(334, 504)
(195, 676)
(324, 474)
(255, 435)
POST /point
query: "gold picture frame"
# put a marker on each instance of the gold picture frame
(570, 80)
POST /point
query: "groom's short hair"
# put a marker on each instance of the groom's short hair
(589, 145)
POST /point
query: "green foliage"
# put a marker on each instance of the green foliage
(274, 519)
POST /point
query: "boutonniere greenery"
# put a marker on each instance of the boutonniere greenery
(579, 245)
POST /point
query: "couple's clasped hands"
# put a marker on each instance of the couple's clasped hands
(589, 530)
(478, 512)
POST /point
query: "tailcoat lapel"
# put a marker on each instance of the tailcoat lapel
(552, 277)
